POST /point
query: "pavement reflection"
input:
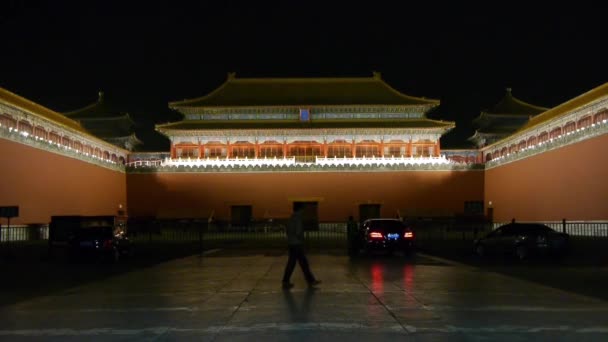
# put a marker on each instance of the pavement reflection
(299, 303)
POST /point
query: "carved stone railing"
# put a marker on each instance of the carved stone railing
(551, 144)
(30, 140)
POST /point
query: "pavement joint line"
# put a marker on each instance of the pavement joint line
(388, 310)
(238, 307)
(310, 326)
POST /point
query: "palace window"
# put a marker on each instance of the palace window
(584, 122)
(512, 148)
(531, 141)
(394, 151)
(339, 151)
(600, 117)
(187, 152)
(54, 138)
(77, 146)
(367, 151)
(88, 150)
(243, 151)
(25, 127)
(105, 155)
(556, 132)
(423, 151)
(8, 121)
(569, 127)
(215, 152)
(65, 141)
(304, 151)
(271, 151)
(543, 137)
(40, 132)
(521, 145)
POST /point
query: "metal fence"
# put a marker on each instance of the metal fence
(269, 232)
(31, 232)
(574, 228)
(224, 234)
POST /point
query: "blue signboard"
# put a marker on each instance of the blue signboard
(304, 114)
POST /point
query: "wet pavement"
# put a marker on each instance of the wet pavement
(227, 296)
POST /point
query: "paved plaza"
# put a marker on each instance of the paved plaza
(229, 296)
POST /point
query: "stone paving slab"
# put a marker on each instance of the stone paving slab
(223, 297)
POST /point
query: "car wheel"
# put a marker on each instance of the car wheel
(480, 250)
(521, 252)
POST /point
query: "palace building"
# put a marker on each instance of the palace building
(108, 123)
(254, 148)
(503, 119)
(295, 120)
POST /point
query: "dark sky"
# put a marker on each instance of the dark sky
(146, 54)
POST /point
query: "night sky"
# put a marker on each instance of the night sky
(146, 54)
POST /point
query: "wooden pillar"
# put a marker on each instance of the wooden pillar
(228, 151)
(354, 149)
(256, 151)
(409, 148)
(437, 152)
(325, 148)
(201, 150)
(382, 148)
(284, 149)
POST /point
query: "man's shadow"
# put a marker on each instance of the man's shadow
(298, 304)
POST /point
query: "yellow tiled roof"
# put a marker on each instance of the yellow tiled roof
(303, 91)
(568, 106)
(15, 100)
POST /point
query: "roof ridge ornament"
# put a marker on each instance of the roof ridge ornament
(508, 89)
(377, 75)
(231, 75)
(100, 96)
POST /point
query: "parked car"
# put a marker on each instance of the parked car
(383, 234)
(523, 240)
(99, 243)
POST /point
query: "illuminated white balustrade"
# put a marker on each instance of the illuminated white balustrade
(241, 162)
(285, 162)
(379, 161)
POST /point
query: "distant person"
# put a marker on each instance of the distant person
(295, 243)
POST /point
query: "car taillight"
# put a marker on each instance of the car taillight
(408, 235)
(375, 235)
(107, 244)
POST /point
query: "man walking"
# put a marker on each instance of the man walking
(295, 242)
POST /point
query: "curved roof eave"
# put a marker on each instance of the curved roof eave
(231, 79)
(12, 99)
(562, 109)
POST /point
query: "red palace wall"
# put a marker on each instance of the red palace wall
(43, 184)
(569, 183)
(271, 194)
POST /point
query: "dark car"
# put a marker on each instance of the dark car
(383, 234)
(99, 243)
(523, 240)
